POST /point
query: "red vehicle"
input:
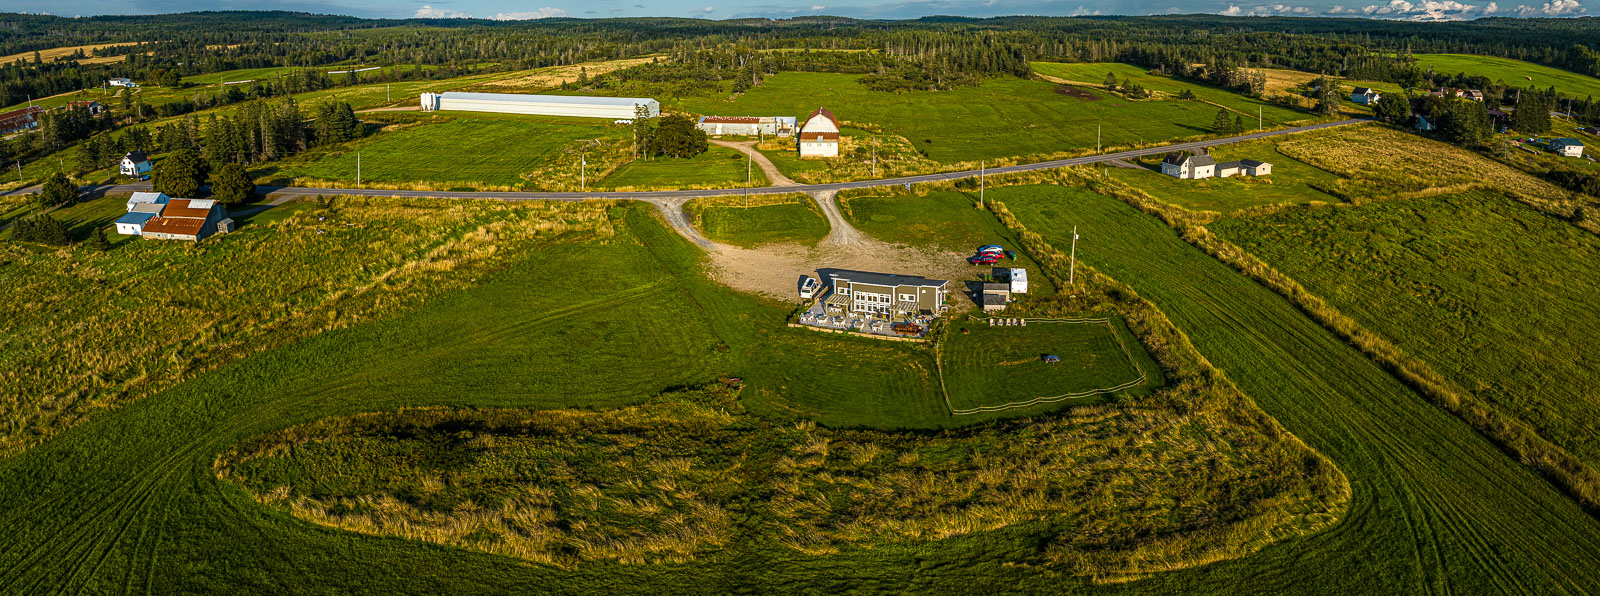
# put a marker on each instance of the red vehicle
(985, 259)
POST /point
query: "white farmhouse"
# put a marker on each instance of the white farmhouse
(819, 136)
(610, 108)
(122, 83)
(135, 164)
(1181, 164)
(1365, 96)
(1567, 147)
(1243, 167)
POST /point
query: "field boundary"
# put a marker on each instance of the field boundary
(1143, 375)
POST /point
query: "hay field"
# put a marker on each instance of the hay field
(57, 54)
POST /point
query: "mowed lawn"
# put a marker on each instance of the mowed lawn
(1289, 184)
(795, 223)
(1094, 73)
(1492, 294)
(946, 220)
(1515, 73)
(1489, 519)
(718, 167)
(467, 150)
(995, 366)
(1004, 117)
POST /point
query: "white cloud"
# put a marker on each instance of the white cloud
(818, 7)
(527, 15)
(429, 12)
(709, 9)
(1232, 11)
(1553, 8)
(1082, 11)
(1491, 8)
(1429, 10)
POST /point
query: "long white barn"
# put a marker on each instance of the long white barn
(614, 108)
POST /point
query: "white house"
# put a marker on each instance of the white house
(1567, 147)
(1364, 96)
(610, 108)
(135, 164)
(1180, 164)
(122, 83)
(141, 207)
(146, 197)
(819, 136)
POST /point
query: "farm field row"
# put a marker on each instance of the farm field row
(133, 498)
(1436, 506)
(1485, 290)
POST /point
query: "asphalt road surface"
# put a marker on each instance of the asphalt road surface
(280, 192)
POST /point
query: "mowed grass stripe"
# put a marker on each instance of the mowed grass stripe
(1436, 507)
(1003, 117)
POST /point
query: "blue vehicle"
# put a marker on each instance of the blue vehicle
(1052, 359)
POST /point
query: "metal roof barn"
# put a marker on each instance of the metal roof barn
(614, 108)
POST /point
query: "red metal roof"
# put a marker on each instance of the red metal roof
(731, 120)
(185, 226)
(20, 117)
(181, 209)
(819, 136)
(824, 112)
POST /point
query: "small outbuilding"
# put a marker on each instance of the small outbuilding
(1567, 147)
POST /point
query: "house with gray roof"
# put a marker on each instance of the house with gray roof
(1243, 167)
(1365, 96)
(1189, 166)
(885, 294)
(1567, 147)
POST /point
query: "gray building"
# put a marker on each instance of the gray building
(884, 294)
(613, 108)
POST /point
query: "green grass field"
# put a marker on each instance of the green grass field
(1489, 292)
(131, 500)
(944, 220)
(796, 222)
(986, 366)
(1436, 506)
(718, 167)
(463, 151)
(1002, 118)
(1094, 73)
(1515, 73)
(1289, 183)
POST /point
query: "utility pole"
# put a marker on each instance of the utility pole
(386, 97)
(1259, 121)
(358, 169)
(1097, 138)
(748, 173)
(1072, 274)
(875, 155)
(19, 170)
(583, 171)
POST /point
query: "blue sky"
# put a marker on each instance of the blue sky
(717, 9)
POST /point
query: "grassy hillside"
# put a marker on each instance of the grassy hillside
(940, 220)
(718, 167)
(1515, 73)
(467, 151)
(1004, 117)
(986, 366)
(1487, 291)
(133, 499)
(1436, 506)
(1094, 73)
(762, 219)
(1292, 181)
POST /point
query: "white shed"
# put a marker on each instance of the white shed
(1019, 280)
(610, 108)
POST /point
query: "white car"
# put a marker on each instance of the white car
(808, 287)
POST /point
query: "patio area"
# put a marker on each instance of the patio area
(824, 315)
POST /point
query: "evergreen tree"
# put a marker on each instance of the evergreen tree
(1187, 93)
(98, 241)
(42, 229)
(1222, 124)
(58, 191)
(1532, 114)
(642, 131)
(180, 174)
(1111, 80)
(1238, 124)
(232, 185)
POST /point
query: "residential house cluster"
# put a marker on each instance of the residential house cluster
(817, 136)
(1472, 94)
(154, 215)
(995, 295)
(1197, 166)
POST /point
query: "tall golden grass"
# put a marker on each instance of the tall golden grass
(82, 330)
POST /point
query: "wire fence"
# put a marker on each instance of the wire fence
(1140, 380)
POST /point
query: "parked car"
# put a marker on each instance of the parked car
(985, 259)
(808, 288)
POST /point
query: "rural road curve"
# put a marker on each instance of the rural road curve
(661, 195)
(774, 175)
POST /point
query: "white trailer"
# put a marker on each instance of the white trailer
(1019, 280)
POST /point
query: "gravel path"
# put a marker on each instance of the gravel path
(774, 176)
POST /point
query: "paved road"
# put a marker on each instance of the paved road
(295, 191)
